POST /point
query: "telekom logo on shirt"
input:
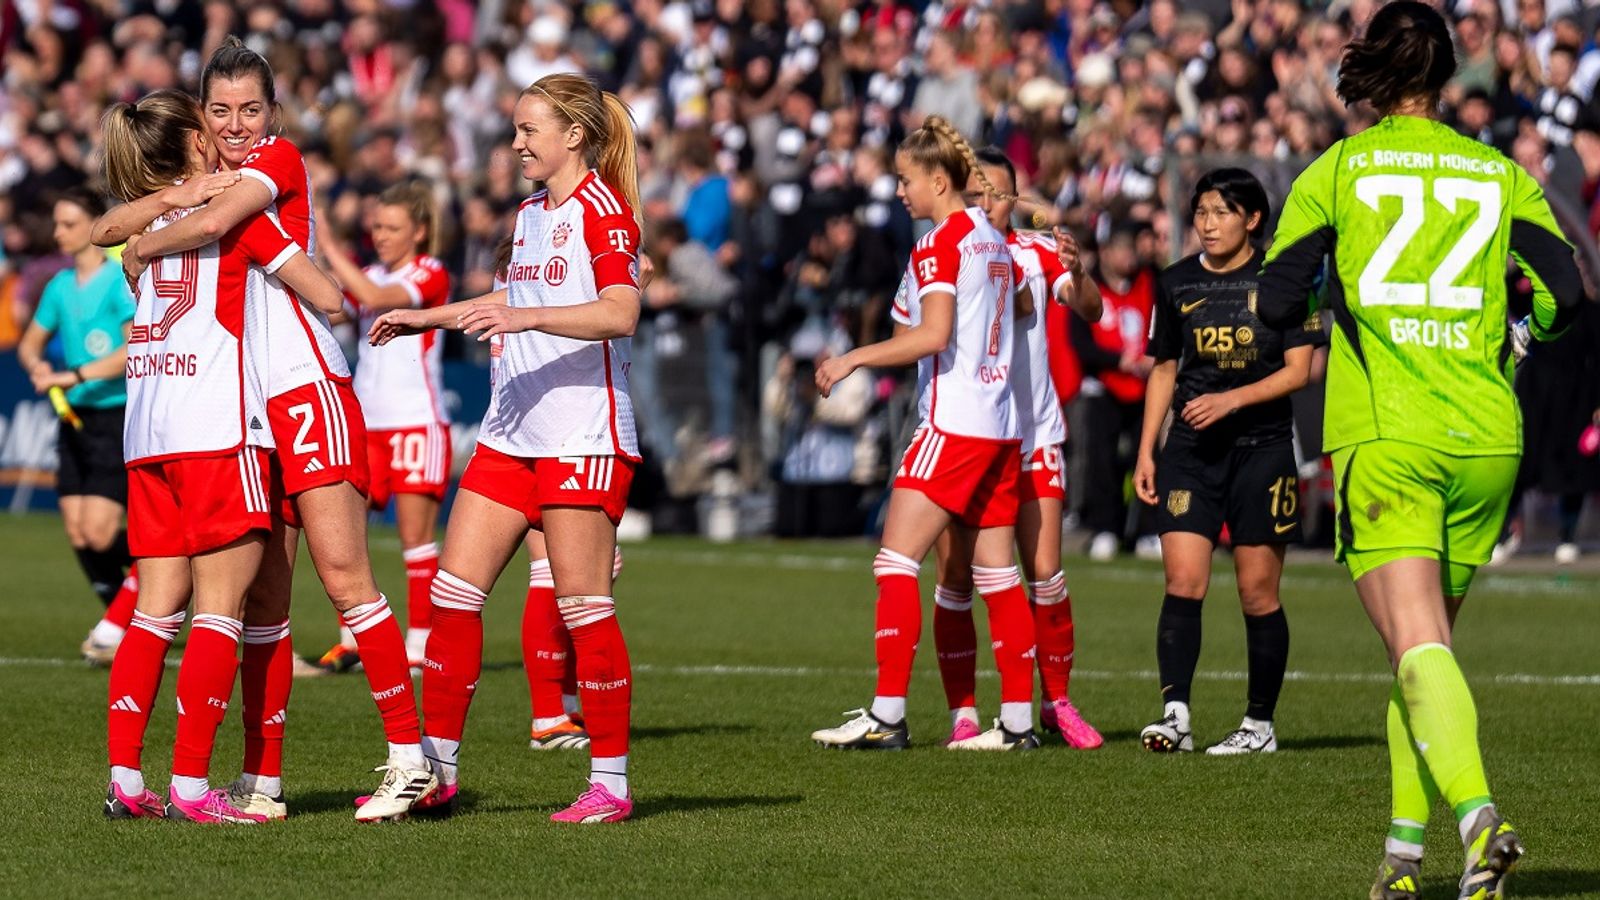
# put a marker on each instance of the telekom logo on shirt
(926, 267)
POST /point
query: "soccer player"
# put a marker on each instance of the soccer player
(1051, 269)
(402, 395)
(197, 475)
(1228, 460)
(557, 448)
(88, 305)
(314, 421)
(961, 467)
(1421, 421)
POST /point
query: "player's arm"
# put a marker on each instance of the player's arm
(129, 219)
(1304, 237)
(1208, 409)
(1157, 401)
(1545, 257)
(451, 317)
(1071, 284)
(200, 228)
(311, 284)
(930, 336)
(361, 288)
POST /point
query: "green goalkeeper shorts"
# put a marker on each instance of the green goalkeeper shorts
(1398, 501)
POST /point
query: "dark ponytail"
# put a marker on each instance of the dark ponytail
(1405, 53)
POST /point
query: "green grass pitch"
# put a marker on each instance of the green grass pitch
(739, 652)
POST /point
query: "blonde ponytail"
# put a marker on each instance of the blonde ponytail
(607, 129)
(147, 144)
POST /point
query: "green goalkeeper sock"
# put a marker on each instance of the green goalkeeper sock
(1413, 790)
(1444, 725)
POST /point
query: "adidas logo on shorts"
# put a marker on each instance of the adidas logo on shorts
(314, 466)
(571, 484)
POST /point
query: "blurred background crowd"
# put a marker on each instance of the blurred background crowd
(767, 130)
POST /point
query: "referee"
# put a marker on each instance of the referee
(89, 307)
(1228, 461)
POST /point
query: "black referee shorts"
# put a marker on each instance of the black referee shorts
(1255, 491)
(91, 457)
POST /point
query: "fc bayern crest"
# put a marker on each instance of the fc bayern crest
(558, 237)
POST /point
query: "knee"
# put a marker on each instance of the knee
(1190, 585)
(1258, 599)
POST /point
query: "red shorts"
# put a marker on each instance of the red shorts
(973, 479)
(408, 461)
(529, 484)
(1041, 476)
(321, 437)
(190, 505)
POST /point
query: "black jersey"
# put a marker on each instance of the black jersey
(1207, 322)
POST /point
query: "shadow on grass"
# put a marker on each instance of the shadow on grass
(672, 803)
(1117, 735)
(1553, 882)
(706, 728)
(1331, 742)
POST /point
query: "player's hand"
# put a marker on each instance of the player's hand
(395, 323)
(1067, 251)
(1208, 409)
(647, 271)
(489, 319)
(1144, 479)
(133, 264)
(833, 370)
(196, 191)
(1521, 339)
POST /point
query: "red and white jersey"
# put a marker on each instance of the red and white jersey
(291, 343)
(401, 384)
(188, 391)
(1037, 404)
(557, 396)
(966, 389)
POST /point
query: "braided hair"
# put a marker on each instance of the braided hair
(938, 145)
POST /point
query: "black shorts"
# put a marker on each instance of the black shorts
(1255, 491)
(91, 457)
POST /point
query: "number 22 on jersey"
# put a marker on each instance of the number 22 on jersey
(1440, 290)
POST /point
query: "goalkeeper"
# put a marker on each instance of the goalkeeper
(1421, 422)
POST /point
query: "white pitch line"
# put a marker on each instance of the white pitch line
(720, 671)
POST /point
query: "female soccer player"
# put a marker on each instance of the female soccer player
(557, 448)
(1050, 269)
(314, 420)
(401, 389)
(1228, 460)
(198, 485)
(1421, 421)
(961, 466)
(89, 306)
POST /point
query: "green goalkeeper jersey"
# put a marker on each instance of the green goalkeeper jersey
(1416, 222)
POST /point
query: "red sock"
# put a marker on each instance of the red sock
(120, 612)
(205, 685)
(569, 672)
(605, 678)
(135, 680)
(1052, 626)
(1010, 629)
(265, 677)
(899, 621)
(955, 641)
(383, 658)
(455, 656)
(422, 564)
(544, 644)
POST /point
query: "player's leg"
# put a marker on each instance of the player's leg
(581, 541)
(103, 555)
(547, 657)
(222, 577)
(998, 581)
(955, 639)
(417, 516)
(911, 525)
(266, 676)
(1259, 568)
(135, 680)
(1039, 546)
(480, 538)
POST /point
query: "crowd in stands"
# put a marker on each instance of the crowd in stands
(767, 132)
